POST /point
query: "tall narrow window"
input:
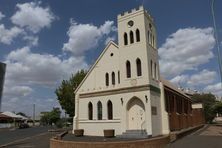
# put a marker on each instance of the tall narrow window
(113, 78)
(110, 110)
(151, 38)
(107, 79)
(151, 68)
(148, 36)
(131, 37)
(128, 69)
(90, 111)
(99, 111)
(125, 39)
(118, 77)
(153, 41)
(137, 35)
(155, 74)
(138, 67)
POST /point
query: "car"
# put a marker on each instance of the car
(23, 125)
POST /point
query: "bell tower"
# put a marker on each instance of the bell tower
(137, 39)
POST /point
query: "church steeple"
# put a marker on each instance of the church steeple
(135, 26)
(137, 40)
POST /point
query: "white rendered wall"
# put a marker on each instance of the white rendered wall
(106, 64)
(197, 105)
(164, 114)
(120, 116)
(156, 119)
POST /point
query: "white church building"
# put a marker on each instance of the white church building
(123, 90)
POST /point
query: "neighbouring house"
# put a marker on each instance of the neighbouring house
(10, 119)
(123, 90)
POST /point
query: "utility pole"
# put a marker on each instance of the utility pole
(217, 42)
(33, 114)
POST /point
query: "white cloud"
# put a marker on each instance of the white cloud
(7, 35)
(180, 79)
(199, 79)
(17, 91)
(214, 88)
(83, 37)
(186, 49)
(108, 39)
(32, 40)
(42, 69)
(1, 15)
(32, 16)
(27, 71)
(203, 77)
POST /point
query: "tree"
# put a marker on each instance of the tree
(65, 92)
(22, 114)
(52, 117)
(218, 108)
(208, 101)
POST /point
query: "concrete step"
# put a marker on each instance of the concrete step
(135, 131)
(134, 134)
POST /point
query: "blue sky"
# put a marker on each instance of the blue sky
(43, 42)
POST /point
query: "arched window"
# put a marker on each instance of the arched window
(148, 36)
(113, 78)
(137, 35)
(90, 111)
(151, 68)
(125, 39)
(128, 69)
(110, 110)
(99, 111)
(131, 37)
(151, 39)
(107, 79)
(138, 67)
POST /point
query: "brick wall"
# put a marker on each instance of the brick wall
(159, 142)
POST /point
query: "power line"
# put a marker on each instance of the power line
(217, 42)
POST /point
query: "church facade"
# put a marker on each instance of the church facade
(123, 89)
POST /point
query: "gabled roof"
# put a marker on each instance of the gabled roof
(98, 59)
(12, 115)
(2, 116)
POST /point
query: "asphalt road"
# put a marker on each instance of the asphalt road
(38, 137)
(30, 137)
(210, 137)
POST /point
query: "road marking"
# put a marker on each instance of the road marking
(20, 140)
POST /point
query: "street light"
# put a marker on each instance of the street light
(217, 42)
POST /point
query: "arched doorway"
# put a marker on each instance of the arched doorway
(136, 113)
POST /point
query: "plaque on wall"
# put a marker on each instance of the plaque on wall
(133, 82)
